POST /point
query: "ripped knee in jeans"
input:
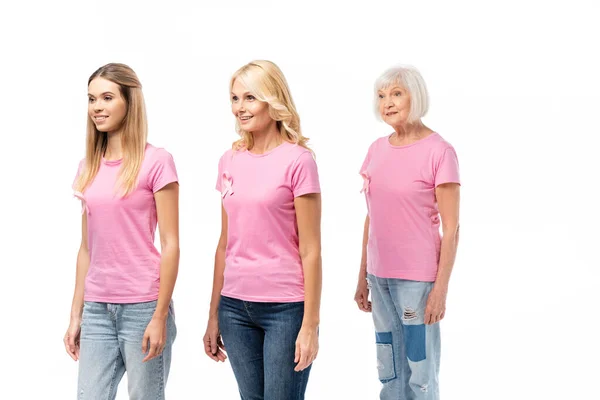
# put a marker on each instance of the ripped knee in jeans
(386, 367)
(409, 314)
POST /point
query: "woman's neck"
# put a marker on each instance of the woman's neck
(114, 147)
(267, 140)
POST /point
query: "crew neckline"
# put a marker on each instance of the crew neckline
(120, 160)
(387, 139)
(111, 162)
(266, 153)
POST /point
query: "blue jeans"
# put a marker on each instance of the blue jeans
(260, 339)
(111, 343)
(408, 351)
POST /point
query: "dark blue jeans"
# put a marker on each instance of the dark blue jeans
(260, 339)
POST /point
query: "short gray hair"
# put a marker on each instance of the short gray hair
(410, 79)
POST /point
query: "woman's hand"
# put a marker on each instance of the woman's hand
(307, 347)
(362, 295)
(156, 334)
(72, 337)
(436, 305)
(213, 344)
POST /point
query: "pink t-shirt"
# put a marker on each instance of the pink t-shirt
(124, 263)
(262, 259)
(399, 182)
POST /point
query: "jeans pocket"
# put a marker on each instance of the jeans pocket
(385, 357)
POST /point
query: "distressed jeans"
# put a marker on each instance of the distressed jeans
(408, 351)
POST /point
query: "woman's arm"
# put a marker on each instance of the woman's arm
(213, 346)
(362, 290)
(448, 199)
(308, 215)
(363, 259)
(219, 268)
(83, 263)
(167, 210)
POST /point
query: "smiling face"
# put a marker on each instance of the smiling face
(106, 106)
(251, 113)
(394, 105)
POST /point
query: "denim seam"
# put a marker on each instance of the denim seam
(302, 378)
(114, 375)
(248, 312)
(161, 378)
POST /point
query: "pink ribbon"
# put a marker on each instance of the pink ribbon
(227, 183)
(84, 206)
(366, 181)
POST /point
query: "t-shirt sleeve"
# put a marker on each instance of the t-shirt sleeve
(163, 171)
(79, 170)
(219, 184)
(366, 162)
(305, 175)
(447, 168)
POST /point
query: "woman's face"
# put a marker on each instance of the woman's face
(252, 114)
(106, 106)
(394, 105)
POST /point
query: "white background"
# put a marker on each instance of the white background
(514, 87)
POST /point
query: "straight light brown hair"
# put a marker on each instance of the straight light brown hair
(134, 131)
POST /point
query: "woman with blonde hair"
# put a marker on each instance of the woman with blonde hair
(267, 279)
(122, 314)
(411, 179)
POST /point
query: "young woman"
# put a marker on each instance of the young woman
(267, 278)
(410, 180)
(122, 315)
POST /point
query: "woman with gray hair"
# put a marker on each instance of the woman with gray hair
(411, 179)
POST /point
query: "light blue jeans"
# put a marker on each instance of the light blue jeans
(408, 351)
(111, 343)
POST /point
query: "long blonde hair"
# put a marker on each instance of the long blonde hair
(134, 131)
(266, 82)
